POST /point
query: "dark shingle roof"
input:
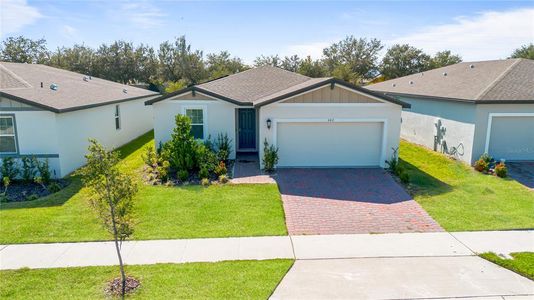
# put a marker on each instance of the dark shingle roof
(22, 82)
(264, 85)
(498, 81)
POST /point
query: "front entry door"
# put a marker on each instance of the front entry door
(247, 128)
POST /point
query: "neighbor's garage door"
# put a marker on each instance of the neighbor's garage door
(512, 138)
(324, 144)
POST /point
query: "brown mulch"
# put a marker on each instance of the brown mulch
(114, 287)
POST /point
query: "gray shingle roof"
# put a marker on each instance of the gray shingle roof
(264, 85)
(23, 82)
(484, 81)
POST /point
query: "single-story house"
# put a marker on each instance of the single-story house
(315, 122)
(470, 108)
(51, 113)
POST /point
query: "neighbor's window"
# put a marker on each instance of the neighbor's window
(8, 138)
(117, 117)
(197, 121)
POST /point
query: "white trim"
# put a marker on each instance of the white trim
(333, 104)
(117, 115)
(199, 102)
(490, 121)
(214, 99)
(204, 117)
(382, 161)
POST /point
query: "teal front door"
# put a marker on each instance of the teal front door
(247, 128)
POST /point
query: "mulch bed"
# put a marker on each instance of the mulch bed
(193, 179)
(114, 287)
(23, 191)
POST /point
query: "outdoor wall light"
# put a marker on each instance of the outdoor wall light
(269, 122)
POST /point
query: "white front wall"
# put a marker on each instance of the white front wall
(77, 127)
(456, 122)
(387, 113)
(514, 135)
(36, 132)
(220, 118)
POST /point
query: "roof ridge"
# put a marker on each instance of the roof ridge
(497, 80)
(20, 79)
(319, 79)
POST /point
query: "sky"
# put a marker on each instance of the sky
(477, 30)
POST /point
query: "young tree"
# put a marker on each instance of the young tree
(24, 50)
(442, 59)
(112, 195)
(360, 55)
(525, 51)
(402, 60)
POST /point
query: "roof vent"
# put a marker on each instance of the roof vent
(444, 73)
(471, 66)
(411, 82)
(125, 91)
(53, 87)
(85, 78)
(393, 84)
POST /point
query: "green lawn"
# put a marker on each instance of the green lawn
(459, 198)
(521, 262)
(222, 280)
(162, 212)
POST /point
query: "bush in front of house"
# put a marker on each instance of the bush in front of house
(501, 170)
(223, 145)
(270, 156)
(181, 148)
(483, 163)
(394, 167)
(220, 169)
(9, 168)
(29, 168)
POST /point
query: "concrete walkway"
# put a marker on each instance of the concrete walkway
(257, 248)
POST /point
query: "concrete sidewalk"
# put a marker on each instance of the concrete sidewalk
(435, 244)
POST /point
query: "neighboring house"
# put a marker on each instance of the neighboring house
(51, 113)
(470, 108)
(315, 122)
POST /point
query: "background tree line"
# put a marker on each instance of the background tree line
(175, 64)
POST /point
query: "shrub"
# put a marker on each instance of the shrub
(205, 182)
(54, 187)
(224, 146)
(393, 164)
(209, 144)
(220, 169)
(270, 156)
(156, 167)
(203, 173)
(485, 157)
(9, 168)
(39, 181)
(206, 158)
(404, 177)
(31, 197)
(501, 170)
(481, 165)
(29, 168)
(44, 171)
(181, 148)
(223, 179)
(6, 181)
(183, 175)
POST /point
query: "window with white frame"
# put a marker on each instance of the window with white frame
(197, 116)
(8, 135)
(117, 117)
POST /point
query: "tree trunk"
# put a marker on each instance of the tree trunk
(123, 274)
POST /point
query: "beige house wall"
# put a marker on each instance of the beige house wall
(328, 95)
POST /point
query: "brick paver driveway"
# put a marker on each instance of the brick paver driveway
(337, 201)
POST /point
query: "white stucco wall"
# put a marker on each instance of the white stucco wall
(37, 136)
(387, 111)
(220, 116)
(75, 128)
(482, 114)
(457, 123)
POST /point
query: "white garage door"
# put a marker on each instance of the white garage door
(323, 144)
(512, 138)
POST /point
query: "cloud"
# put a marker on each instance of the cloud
(487, 35)
(143, 14)
(16, 14)
(68, 31)
(315, 50)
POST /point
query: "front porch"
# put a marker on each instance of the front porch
(247, 169)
